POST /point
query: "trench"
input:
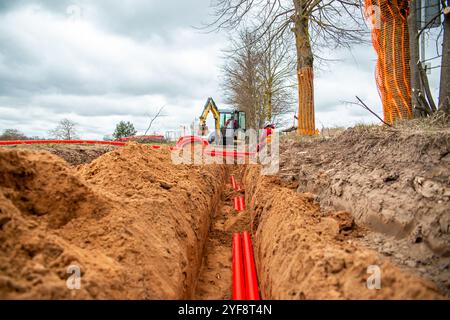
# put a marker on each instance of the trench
(215, 274)
(300, 252)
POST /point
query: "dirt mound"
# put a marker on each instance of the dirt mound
(77, 155)
(302, 254)
(74, 154)
(395, 182)
(40, 185)
(134, 223)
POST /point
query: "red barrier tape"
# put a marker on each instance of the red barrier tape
(13, 142)
(251, 279)
(238, 281)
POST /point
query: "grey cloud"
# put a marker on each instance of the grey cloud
(132, 18)
(26, 69)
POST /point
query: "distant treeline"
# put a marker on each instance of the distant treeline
(14, 134)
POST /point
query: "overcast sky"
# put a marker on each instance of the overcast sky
(99, 62)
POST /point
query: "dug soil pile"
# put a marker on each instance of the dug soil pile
(134, 223)
(302, 254)
(74, 154)
(395, 183)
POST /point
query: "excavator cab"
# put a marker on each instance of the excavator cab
(227, 122)
(226, 116)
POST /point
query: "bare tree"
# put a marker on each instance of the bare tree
(277, 70)
(315, 23)
(257, 78)
(444, 90)
(414, 58)
(154, 117)
(422, 98)
(13, 134)
(66, 130)
(241, 82)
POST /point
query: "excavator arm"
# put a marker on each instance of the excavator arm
(210, 106)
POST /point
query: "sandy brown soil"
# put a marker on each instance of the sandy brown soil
(73, 154)
(140, 227)
(133, 222)
(301, 254)
(394, 182)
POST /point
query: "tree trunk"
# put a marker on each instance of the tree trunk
(305, 74)
(268, 104)
(444, 89)
(414, 56)
(270, 107)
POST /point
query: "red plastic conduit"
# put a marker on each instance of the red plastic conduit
(239, 203)
(233, 182)
(251, 279)
(13, 142)
(236, 203)
(242, 203)
(238, 280)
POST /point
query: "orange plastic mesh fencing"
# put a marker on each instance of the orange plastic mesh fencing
(391, 42)
(306, 121)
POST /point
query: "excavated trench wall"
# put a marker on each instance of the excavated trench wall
(396, 183)
(301, 254)
(134, 223)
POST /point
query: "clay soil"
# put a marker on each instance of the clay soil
(73, 154)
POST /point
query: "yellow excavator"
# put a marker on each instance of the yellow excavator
(225, 122)
(230, 131)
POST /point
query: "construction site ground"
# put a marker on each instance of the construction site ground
(141, 227)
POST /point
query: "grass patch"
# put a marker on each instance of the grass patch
(438, 121)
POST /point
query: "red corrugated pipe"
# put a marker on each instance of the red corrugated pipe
(239, 203)
(238, 280)
(251, 279)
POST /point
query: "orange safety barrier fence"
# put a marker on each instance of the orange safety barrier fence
(390, 39)
(306, 120)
